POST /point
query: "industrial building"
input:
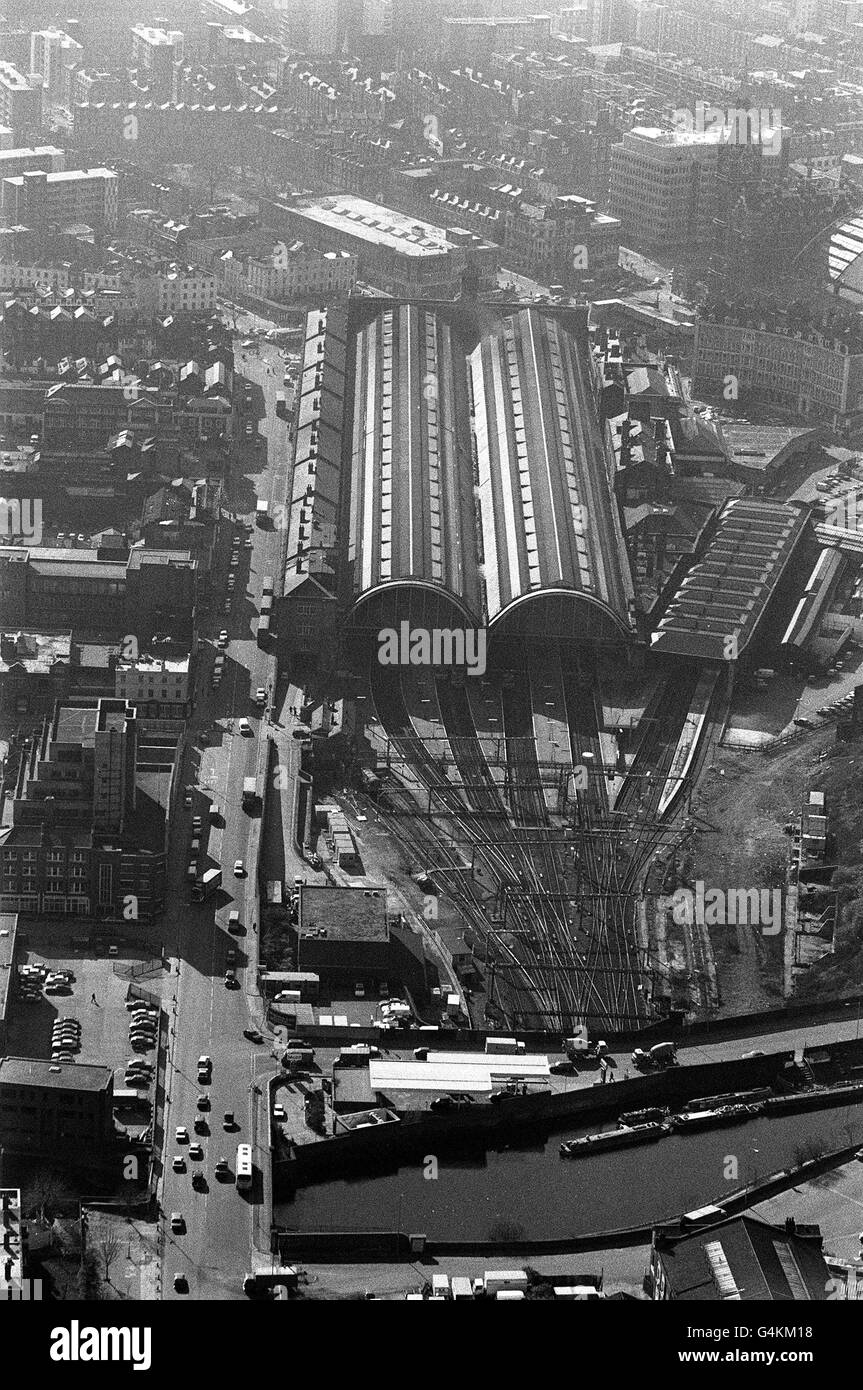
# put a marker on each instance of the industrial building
(741, 1259)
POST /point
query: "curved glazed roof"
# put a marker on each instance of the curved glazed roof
(549, 519)
(412, 504)
(844, 262)
(478, 472)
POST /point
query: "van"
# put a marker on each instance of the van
(191, 873)
(234, 922)
(214, 813)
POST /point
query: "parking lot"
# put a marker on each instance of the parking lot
(96, 998)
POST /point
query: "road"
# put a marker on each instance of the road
(213, 1250)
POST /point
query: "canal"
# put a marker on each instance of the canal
(529, 1192)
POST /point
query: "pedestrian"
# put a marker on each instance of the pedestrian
(94, 1000)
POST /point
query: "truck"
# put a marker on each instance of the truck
(263, 633)
(503, 1045)
(281, 404)
(207, 884)
(250, 793)
(661, 1055)
(262, 512)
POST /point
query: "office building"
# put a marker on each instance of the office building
(20, 102)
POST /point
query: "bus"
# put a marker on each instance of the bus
(244, 1165)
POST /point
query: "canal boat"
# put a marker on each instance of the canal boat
(691, 1121)
(621, 1138)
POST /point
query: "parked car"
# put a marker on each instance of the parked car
(177, 1222)
(253, 1035)
(239, 869)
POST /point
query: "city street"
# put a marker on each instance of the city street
(213, 1250)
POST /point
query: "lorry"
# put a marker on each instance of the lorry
(503, 1045)
(207, 884)
(250, 793)
(661, 1055)
(262, 512)
(281, 404)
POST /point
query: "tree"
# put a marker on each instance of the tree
(45, 1193)
(107, 1248)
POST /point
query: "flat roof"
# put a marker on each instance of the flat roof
(63, 176)
(67, 1076)
(474, 1072)
(8, 932)
(380, 226)
(344, 914)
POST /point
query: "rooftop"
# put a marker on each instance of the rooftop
(67, 1076)
(344, 914)
(378, 225)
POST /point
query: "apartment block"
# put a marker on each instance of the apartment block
(20, 101)
(50, 51)
(64, 199)
(47, 159)
(154, 53)
(812, 373)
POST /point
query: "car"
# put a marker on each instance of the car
(802, 723)
(235, 560)
(231, 981)
(253, 1035)
(196, 1151)
(205, 1068)
(181, 1283)
(239, 869)
(859, 1155)
(181, 1134)
(231, 956)
(226, 607)
(199, 1182)
(564, 1068)
(137, 1078)
(229, 1122)
(203, 738)
(222, 640)
(245, 728)
(450, 1103)
(187, 800)
(141, 1024)
(179, 1163)
(250, 429)
(203, 1101)
(222, 1169)
(359, 991)
(261, 695)
(143, 1035)
(235, 926)
(58, 989)
(177, 1222)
